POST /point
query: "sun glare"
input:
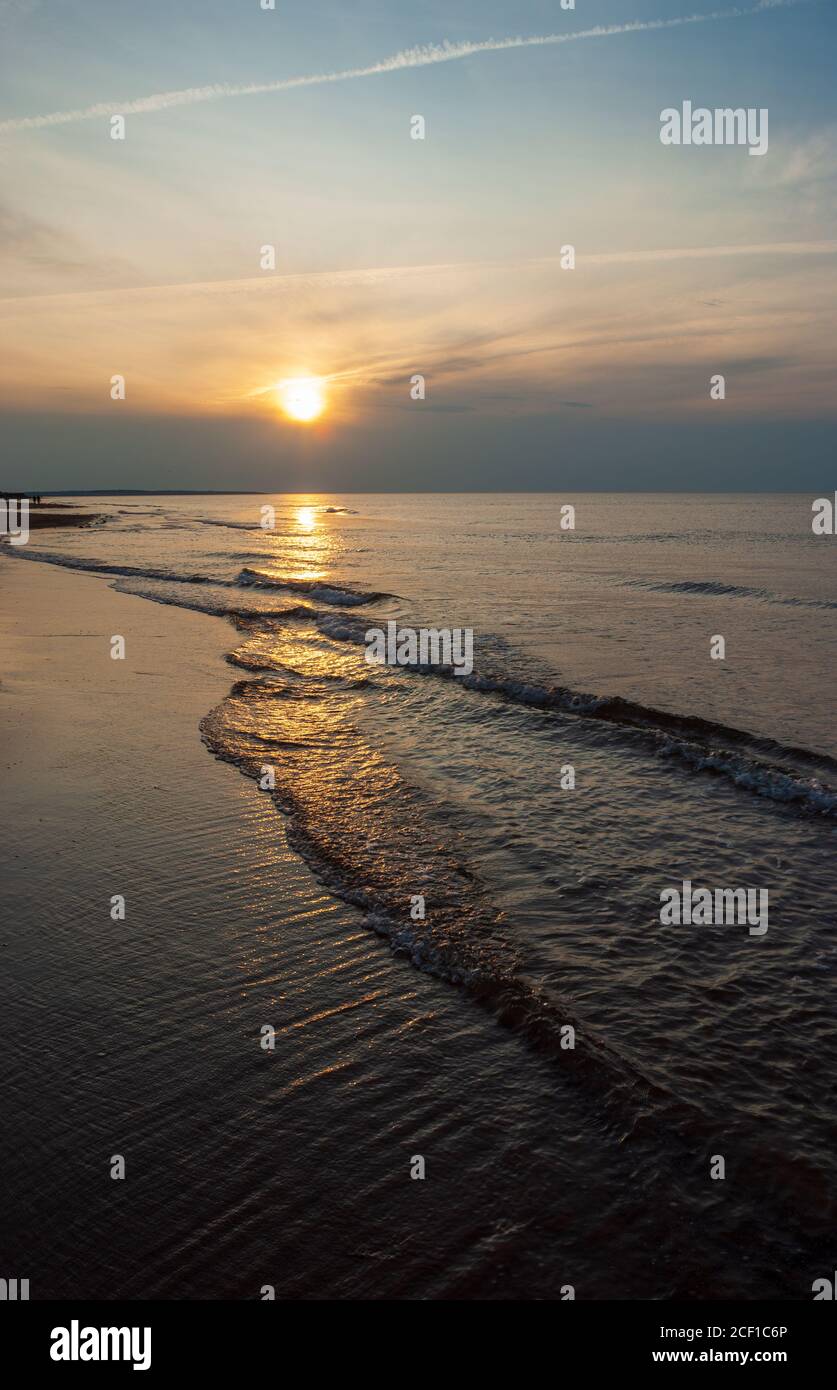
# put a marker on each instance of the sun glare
(302, 398)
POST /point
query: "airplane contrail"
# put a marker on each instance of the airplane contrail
(419, 57)
(372, 275)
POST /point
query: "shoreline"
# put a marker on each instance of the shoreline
(142, 1036)
(44, 520)
(49, 515)
(44, 586)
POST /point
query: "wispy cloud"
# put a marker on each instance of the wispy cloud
(373, 276)
(35, 252)
(806, 167)
(419, 57)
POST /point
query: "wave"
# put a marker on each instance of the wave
(338, 594)
(119, 571)
(754, 763)
(680, 538)
(310, 689)
(614, 709)
(369, 840)
(715, 588)
(239, 615)
(701, 744)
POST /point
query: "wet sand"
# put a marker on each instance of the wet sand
(52, 514)
(40, 519)
(244, 1167)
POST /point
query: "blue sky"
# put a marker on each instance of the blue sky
(395, 257)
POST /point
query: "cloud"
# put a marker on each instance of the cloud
(376, 276)
(809, 164)
(31, 249)
(419, 57)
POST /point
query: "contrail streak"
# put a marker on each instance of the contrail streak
(373, 275)
(410, 58)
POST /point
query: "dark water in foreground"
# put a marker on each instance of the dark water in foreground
(547, 1165)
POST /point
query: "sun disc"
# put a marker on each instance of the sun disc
(302, 398)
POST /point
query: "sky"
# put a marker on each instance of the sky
(141, 258)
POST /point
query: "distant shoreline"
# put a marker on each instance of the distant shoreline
(314, 491)
(131, 492)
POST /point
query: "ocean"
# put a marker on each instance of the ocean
(460, 945)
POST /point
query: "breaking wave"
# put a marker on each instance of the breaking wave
(339, 594)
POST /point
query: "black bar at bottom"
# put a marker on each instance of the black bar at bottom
(405, 1340)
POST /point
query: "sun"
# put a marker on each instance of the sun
(302, 398)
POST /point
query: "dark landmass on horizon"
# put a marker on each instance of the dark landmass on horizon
(150, 492)
(437, 491)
